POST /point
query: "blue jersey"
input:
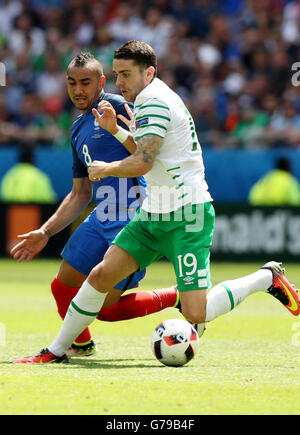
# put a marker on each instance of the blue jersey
(117, 198)
(91, 142)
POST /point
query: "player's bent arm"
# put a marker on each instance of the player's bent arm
(108, 121)
(129, 143)
(135, 165)
(70, 208)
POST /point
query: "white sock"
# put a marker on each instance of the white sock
(227, 295)
(84, 308)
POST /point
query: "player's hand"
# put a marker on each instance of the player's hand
(30, 245)
(105, 114)
(130, 115)
(97, 170)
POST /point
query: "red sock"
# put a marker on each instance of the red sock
(139, 304)
(63, 296)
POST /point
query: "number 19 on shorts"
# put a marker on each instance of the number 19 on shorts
(189, 273)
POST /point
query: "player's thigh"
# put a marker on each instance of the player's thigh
(111, 232)
(190, 250)
(192, 268)
(116, 265)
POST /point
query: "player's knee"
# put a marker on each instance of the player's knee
(193, 304)
(194, 315)
(101, 278)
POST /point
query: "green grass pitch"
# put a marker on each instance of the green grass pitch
(248, 362)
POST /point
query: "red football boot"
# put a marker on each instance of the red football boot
(282, 289)
(44, 357)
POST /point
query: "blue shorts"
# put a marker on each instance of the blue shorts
(88, 244)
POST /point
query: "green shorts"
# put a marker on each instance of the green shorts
(184, 237)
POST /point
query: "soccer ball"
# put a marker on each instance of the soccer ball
(174, 342)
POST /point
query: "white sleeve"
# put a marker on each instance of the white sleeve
(151, 117)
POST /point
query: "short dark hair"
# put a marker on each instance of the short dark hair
(84, 59)
(140, 52)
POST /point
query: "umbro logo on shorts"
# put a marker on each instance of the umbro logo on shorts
(188, 280)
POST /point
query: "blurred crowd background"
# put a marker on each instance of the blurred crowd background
(230, 60)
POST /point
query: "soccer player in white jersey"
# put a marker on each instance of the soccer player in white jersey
(176, 219)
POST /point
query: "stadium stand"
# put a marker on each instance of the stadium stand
(231, 62)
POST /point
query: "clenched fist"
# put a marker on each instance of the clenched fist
(97, 170)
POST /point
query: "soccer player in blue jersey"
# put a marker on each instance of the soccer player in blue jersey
(117, 200)
(163, 132)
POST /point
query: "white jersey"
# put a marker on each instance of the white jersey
(177, 176)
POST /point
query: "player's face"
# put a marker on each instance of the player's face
(131, 79)
(84, 87)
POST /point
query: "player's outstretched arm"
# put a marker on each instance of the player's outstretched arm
(32, 243)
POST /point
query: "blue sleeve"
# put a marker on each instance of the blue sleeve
(78, 168)
(122, 111)
(118, 104)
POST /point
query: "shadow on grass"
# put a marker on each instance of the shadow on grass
(125, 363)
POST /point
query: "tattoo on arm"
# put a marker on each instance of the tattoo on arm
(148, 147)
